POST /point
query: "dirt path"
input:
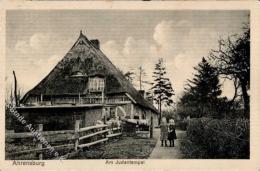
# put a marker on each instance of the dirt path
(166, 152)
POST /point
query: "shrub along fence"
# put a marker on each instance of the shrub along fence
(217, 138)
(66, 142)
(181, 124)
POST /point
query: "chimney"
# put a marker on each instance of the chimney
(142, 93)
(95, 42)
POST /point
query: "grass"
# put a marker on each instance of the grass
(124, 148)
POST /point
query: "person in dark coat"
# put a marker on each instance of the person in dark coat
(172, 133)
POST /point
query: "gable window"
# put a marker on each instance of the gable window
(96, 84)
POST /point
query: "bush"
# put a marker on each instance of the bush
(181, 124)
(217, 138)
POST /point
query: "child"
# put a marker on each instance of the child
(172, 133)
(164, 131)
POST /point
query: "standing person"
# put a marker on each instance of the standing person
(164, 132)
(172, 133)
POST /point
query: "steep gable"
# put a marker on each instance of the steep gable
(85, 58)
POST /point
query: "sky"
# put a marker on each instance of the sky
(37, 39)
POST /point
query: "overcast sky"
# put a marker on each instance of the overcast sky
(37, 40)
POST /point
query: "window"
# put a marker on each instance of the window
(96, 84)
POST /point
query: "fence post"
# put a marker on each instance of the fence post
(76, 134)
(39, 145)
(151, 128)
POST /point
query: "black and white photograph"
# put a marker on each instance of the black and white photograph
(127, 84)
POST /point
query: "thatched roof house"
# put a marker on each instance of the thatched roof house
(86, 78)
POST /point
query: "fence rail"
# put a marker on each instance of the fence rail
(91, 127)
(92, 143)
(91, 135)
(78, 138)
(29, 135)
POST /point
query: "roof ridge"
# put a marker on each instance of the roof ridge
(60, 75)
(41, 81)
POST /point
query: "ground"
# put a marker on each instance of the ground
(160, 152)
(124, 148)
(134, 148)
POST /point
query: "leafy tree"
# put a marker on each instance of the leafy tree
(170, 114)
(129, 76)
(203, 90)
(149, 95)
(232, 60)
(162, 87)
(187, 105)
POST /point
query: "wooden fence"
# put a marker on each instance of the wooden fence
(75, 140)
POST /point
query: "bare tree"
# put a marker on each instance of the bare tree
(232, 59)
(15, 90)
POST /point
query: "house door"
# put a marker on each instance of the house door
(110, 113)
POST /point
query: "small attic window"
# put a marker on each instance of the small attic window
(81, 42)
(77, 74)
(96, 84)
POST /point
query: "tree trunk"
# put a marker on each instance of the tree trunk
(151, 128)
(15, 91)
(160, 111)
(245, 98)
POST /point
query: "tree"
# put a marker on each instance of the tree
(137, 77)
(203, 90)
(149, 95)
(129, 76)
(162, 88)
(232, 60)
(15, 90)
(187, 105)
(141, 78)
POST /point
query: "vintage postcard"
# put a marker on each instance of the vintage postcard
(158, 86)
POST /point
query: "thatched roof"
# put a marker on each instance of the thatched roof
(70, 75)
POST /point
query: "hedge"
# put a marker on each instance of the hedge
(217, 138)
